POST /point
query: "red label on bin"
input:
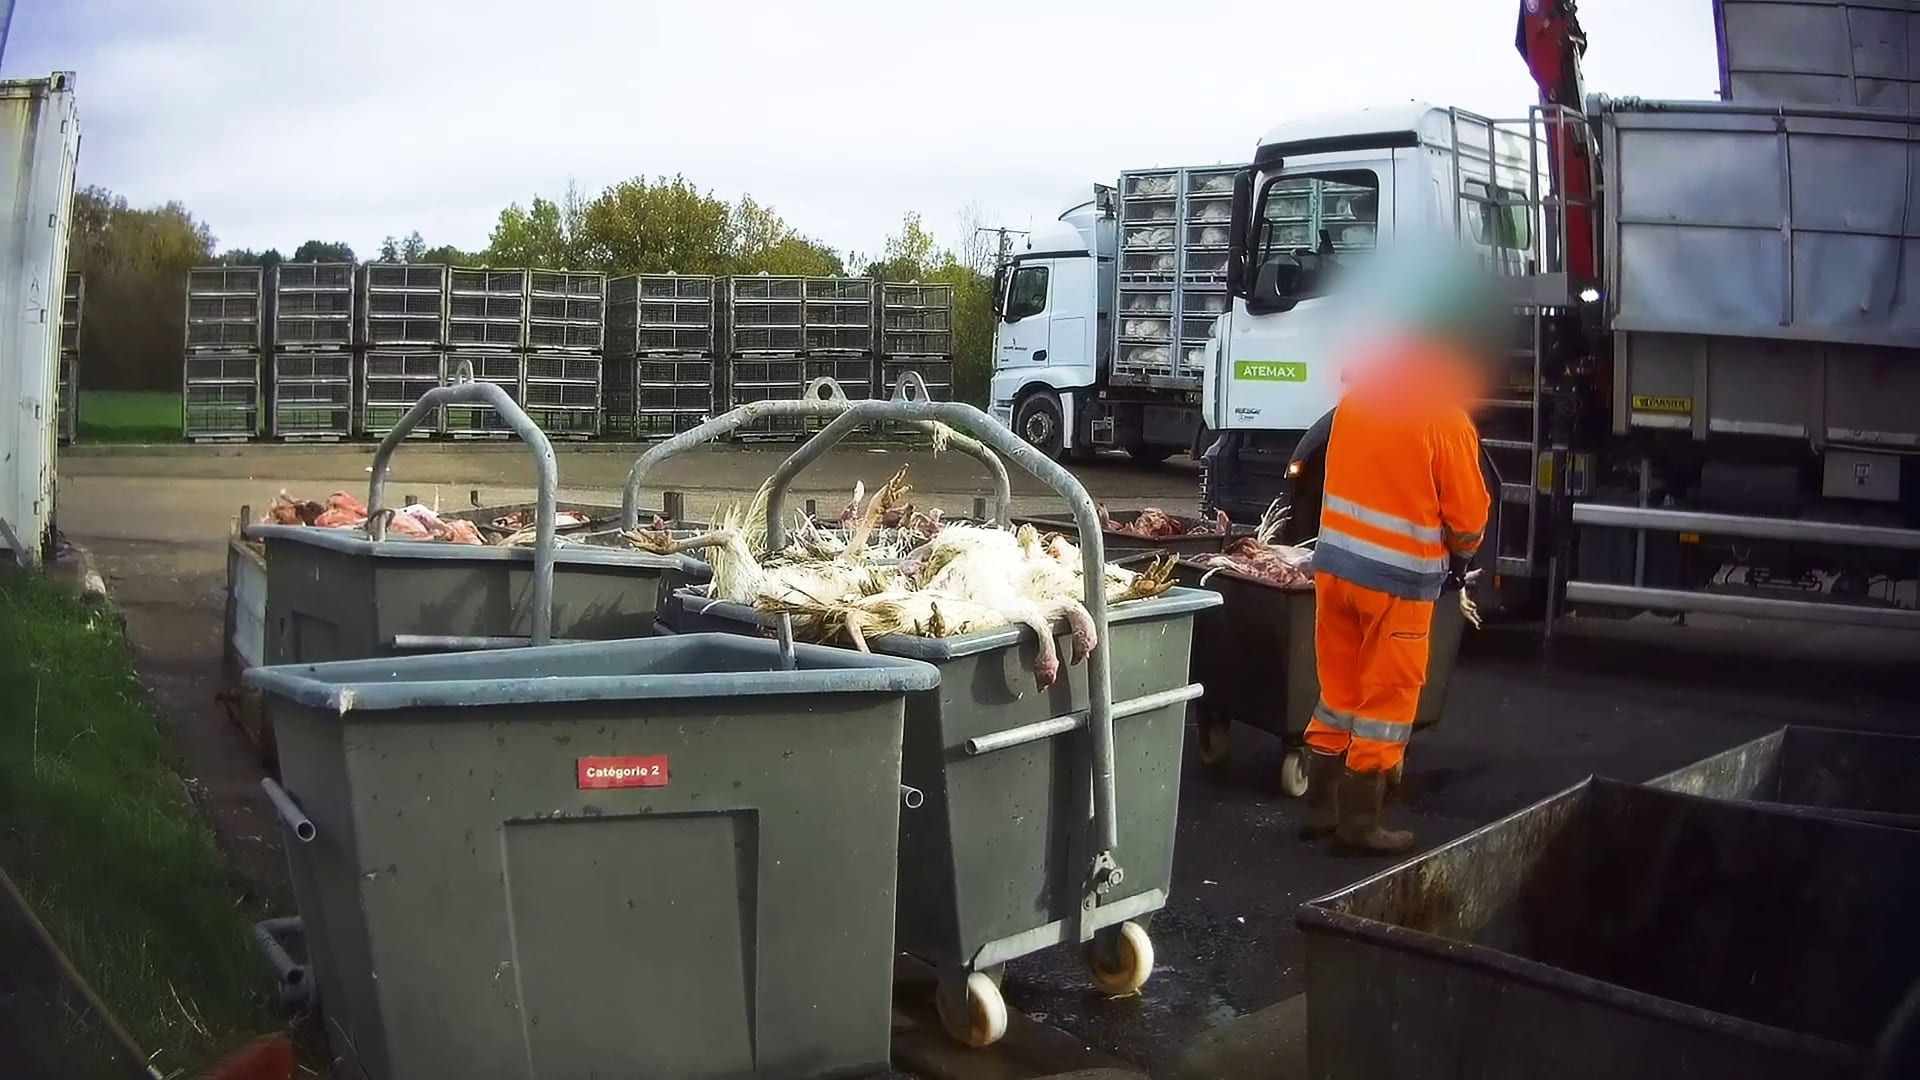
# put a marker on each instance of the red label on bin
(641, 770)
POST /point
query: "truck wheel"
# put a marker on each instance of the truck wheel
(1149, 454)
(1036, 418)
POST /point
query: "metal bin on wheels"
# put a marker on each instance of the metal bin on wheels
(1254, 654)
(333, 594)
(1003, 858)
(670, 856)
(1863, 775)
(1615, 930)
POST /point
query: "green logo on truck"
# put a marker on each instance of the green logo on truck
(1269, 371)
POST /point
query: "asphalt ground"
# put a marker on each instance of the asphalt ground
(1525, 717)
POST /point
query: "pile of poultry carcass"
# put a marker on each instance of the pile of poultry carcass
(1258, 557)
(343, 511)
(924, 577)
(1154, 523)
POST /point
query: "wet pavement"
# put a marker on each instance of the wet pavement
(1623, 698)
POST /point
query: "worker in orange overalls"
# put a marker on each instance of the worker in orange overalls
(1404, 506)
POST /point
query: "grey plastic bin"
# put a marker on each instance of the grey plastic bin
(1255, 656)
(1862, 775)
(1615, 930)
(989, 869)
(338, 594)
(663, 857)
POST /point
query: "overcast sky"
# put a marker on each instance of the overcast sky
(279, 121)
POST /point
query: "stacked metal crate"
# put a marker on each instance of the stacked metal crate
(916, 334)
(565, 332)
(837, 327)
(486, 328)
(766, 345)
(403, 337)
(220, 371)
(660, 349)
(1174, 229)
(312, 375)
(72, 303)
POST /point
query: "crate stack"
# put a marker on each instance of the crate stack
(565, 333)
(1174, 230)
(312, 372)
(660, 354)
(72, 303)
(403, 338)
(1149, 268)
(1206, 226)
(766, 346)
(220, 371)
(916, 334)
(486, 329)
(838, 331)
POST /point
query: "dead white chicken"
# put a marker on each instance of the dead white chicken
(971, 578)
(816, 566)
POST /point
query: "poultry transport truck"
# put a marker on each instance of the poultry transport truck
(1103, 317)
(1711, 400)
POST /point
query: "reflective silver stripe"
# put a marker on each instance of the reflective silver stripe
(1332, 561)
(1381, 730)
(1419, 564)
(1332, 717)
(1380, 519)
(1464, 543)
(1362, 727)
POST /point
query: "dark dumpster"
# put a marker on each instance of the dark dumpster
(666, 857)
(1615, 930)
(991, 864)
(1254, 654)
(1857, 774)
(1008, 854)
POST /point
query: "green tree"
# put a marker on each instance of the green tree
(762, 242)
(668, 226)
(337, 251)
(136, 264)
(412, 246)
(451, 256)
(909, 255)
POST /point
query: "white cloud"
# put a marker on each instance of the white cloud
(279, 121)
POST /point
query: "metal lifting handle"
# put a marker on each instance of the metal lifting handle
(821, 398)
(1093, 568)
(467, 391)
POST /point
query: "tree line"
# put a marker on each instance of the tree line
(136, 260)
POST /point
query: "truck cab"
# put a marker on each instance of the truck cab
(1322, 196)
(1104, 315)
(1049, 347)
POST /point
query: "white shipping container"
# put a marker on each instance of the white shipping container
(39, 142)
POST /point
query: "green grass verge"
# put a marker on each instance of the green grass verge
(97, 830)
(129, 416)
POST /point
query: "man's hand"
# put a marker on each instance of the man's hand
(1467, 607)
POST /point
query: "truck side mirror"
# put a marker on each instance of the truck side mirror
(1238, 249)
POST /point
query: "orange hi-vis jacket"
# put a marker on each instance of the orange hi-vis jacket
(1403, 486)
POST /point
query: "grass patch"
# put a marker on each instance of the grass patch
(97, 830)
(129, 416)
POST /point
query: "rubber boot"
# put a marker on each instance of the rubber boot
(1361, 796)
(1324, 772)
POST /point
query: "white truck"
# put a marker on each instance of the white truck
(1104, 316)
(1713, 391)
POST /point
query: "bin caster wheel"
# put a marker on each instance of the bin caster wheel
(1293, 774)
(1121, 959)
(971, 1008)
(1216, 741)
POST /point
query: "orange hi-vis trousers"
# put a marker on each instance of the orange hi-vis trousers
(1371, 652)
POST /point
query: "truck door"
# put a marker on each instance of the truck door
(1025, 329)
